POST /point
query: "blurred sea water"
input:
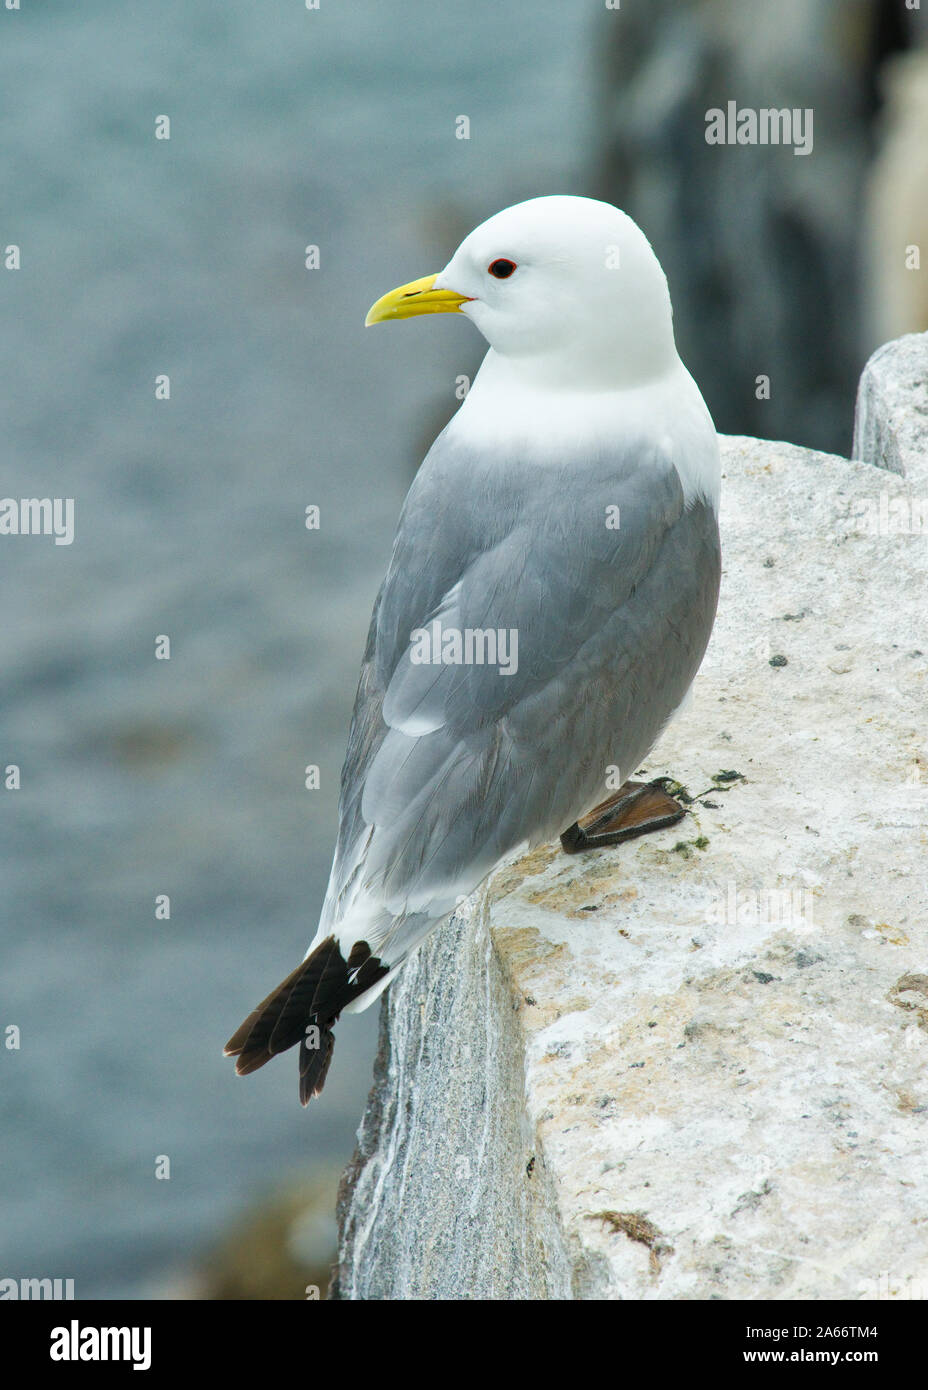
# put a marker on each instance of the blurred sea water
(289, 127)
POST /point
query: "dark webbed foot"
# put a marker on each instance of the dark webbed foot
(636, 809)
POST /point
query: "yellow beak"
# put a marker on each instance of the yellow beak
(417, 297)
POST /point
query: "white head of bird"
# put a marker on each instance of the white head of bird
(566, 290)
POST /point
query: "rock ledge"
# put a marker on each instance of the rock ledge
(694, 1066)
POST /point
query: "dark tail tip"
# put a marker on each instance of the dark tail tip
(316, 1051)
(277, 1022)
(303, 1009)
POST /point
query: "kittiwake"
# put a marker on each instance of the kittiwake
(549, 598)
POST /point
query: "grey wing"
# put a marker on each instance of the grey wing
(452, 765)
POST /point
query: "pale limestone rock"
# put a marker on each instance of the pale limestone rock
(724, 1095)
(891, 427)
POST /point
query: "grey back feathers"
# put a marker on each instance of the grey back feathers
(452, 766)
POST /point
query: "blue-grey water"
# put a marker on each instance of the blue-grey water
(289, 127)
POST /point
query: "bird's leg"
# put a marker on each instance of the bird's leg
(637, 808)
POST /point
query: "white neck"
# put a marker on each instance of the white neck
(509, 410)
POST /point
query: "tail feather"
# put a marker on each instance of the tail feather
(252, 1042)
(314, 1065)
(301, 1002)
(303, 1009)
(333, 983)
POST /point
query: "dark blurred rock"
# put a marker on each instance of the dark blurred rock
(761, 246)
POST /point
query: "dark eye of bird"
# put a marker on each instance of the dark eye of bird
(501, 269)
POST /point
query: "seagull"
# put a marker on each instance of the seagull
(549, 598)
